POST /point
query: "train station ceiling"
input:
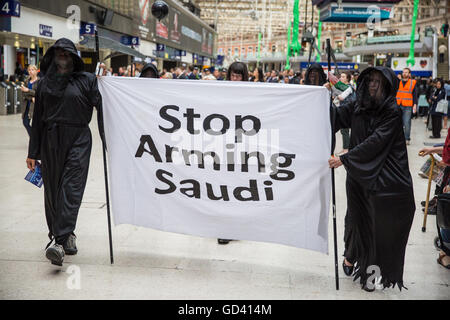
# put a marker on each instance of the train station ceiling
(246, 18)
(249, 17)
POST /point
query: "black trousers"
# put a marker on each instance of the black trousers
(436, 123)
(26, 120)
(345, 138)
(423, 111)
(65, 153)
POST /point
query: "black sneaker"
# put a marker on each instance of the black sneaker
(223, 241)
(431, 202)
(55, 254)
(70, 246)
(431, 210)
(437, 243)
(348, 270)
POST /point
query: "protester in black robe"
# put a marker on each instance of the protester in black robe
(149, 71)
(61, 139)
(315, 75)
(380, 198)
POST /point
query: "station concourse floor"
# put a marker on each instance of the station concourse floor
(151, 264)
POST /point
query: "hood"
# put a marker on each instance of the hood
(322, 75)
(66, 44)
(150, 66)
(388, 74)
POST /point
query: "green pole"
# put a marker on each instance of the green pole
(295, 45)
(319, 34)
(259, 50)
(410, 60)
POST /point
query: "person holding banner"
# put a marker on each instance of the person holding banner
(380, 198)
(315, 76)
(149, 71)
(61, 139)
(237, 71)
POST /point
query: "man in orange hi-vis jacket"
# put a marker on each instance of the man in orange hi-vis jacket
(407, 100)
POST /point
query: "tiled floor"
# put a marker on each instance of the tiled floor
(150, 264)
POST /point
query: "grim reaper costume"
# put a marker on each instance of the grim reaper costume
(322, 78)
(61, 138)
(380, 198)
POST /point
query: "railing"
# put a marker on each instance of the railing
(273, 55)
(364, 40)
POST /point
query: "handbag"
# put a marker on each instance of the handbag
(442, 106)
(443, 211)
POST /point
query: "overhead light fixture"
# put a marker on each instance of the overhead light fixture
(17, 44)
(32, 46)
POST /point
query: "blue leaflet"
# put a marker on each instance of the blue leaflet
(36, 176)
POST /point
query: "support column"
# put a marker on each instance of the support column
(10, 59)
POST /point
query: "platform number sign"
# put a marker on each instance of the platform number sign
(10, 8)
(87, 28)
(129, 40)
(135, 41)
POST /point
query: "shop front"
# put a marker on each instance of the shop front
(25, 38)
(181, 37)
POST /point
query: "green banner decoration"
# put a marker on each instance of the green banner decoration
(410, 61)
(319, 34)
(295, 45)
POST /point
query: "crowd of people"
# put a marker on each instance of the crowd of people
(373, 110)
(217, 73)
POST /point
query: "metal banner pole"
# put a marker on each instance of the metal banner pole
(333, 190)
(105, 167)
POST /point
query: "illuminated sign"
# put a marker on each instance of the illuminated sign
(399, 38)
(355, 13)
(322, 3)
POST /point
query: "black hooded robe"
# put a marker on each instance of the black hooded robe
(61, 138)
(319, 69)
(380, 198)
(152, 67)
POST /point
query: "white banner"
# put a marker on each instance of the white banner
(231, 160)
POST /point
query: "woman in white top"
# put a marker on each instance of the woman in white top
(339, 98)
